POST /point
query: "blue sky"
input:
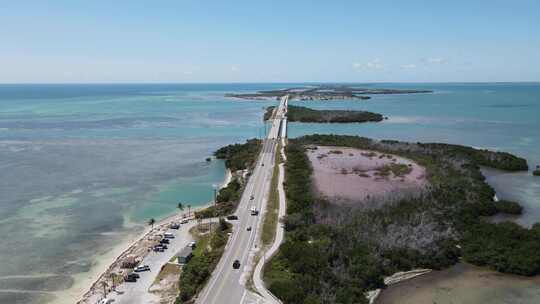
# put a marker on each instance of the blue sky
(269, 41)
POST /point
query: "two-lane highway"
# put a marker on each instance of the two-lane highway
(227, 285)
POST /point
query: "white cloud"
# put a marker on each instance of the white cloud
(408, 66)
(356, 65)
(435, 60)
(370, 65)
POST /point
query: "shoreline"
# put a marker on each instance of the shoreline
(463, 283)
(83, 290)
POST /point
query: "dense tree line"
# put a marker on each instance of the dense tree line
(333, 254)
(508, 207)
(303, 114)
(505, 247)
(240, 156)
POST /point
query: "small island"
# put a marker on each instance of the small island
(324, 92)
(303, 114)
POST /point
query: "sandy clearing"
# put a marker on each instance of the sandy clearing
(346, 175)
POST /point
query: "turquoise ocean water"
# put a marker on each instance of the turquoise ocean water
(82, 166)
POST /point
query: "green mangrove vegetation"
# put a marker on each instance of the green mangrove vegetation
(303, 114)
(334, 253)
(508, 207)
(240, 156)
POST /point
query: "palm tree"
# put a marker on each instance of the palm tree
(105, 285)
(151, 222)
(181, 207)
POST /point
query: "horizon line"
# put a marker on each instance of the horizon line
(271, 82)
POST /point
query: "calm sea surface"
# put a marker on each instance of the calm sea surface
(84, 166)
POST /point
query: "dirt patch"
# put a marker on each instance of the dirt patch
(166, 283)
(346, 175)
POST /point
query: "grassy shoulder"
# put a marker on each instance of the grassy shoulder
(206, 256)
(271, 215)
(303, 114)
(333, 254)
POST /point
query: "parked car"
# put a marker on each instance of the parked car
(236, 264)
(142, 268)
(130, 278)
(184, 221)
(105, 301)
(164, 241)
(135, 275)
(174, 226)
(159, 248)
(232, 217)
(168, 235)
(192, 245)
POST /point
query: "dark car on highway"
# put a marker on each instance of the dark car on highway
(232, 217)
(236, 264)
